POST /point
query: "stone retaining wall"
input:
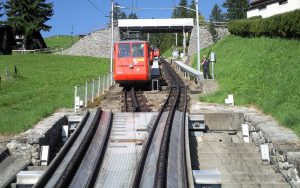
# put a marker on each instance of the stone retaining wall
(283, 144)
(46, 132)
(205, 38)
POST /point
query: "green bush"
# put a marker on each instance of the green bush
(285, 25)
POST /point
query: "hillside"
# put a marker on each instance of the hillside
(260, 71)
(44, 84)
(61, 41)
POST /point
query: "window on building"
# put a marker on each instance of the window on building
(282, 2)
(262, 7)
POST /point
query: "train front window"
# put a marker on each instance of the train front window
(137, 50)
(124, 50)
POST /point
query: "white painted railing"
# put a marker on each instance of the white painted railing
(88, 92)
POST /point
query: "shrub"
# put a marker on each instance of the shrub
(285, 25)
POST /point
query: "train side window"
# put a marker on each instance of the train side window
(124, 50)
(137, 50)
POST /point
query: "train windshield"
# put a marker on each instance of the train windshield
(137, 50)
(124, 50)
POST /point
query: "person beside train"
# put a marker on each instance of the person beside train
(205, 65)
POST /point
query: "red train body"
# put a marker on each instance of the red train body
(131, 62)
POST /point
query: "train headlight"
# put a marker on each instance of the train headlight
(131, 66)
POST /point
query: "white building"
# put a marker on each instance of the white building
(267, 8)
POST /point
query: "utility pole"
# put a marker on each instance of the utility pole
(198, 35)
(112, 39)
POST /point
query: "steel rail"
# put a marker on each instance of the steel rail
(138, 102)
(161, 166)
(66, 163)
(58, 159)
(160, 174)
(69, 172)
(87, 173)
(135, 104)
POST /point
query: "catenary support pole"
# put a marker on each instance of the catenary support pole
(112, 39)
(198, 35)
(184, 41)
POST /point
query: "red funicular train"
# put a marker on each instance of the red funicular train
(132, 62)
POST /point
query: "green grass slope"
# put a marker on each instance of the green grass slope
(46, 83)
(260, 71)
(61, 41)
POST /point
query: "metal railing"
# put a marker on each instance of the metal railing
(88, 92)
(189, 72)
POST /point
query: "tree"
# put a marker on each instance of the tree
(132, 16)
(27, 17)
(236, 9)
(1, 7)
(216, 14)
(181, 11)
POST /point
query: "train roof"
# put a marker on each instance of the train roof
(127, 41)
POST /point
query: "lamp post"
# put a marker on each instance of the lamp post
(112, 39)
(198, 35)
(198, 31)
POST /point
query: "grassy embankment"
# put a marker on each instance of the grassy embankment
(45, 83)
(61, 41)
(168, 52)
(260, 71)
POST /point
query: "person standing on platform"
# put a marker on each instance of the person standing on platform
(205, 65)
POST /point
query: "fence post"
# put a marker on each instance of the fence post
(103, 85)
(16, 70)
(212, 70)
(75, 99)
(110, 82)
(107, 86)
(86, 91)
(7, 74)
(93, 90)
(99, 80)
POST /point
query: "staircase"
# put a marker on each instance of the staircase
(239, 163)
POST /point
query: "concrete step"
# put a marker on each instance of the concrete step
(254, 169)
(252, 178)
(222, 137)
(224, 144)
(255, 185)
(227, 150)
(232, 156)
(9, 168)
(227, 162)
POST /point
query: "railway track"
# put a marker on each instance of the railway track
(77, 163)
(134, 101)
(162, 162)
(82, 160)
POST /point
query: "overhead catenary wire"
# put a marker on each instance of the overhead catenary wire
(97, 8)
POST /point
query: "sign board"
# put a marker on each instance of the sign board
(212, 57)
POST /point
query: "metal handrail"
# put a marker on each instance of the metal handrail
(198, 75)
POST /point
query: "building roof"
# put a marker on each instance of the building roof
(257, 3)
(156, 25)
